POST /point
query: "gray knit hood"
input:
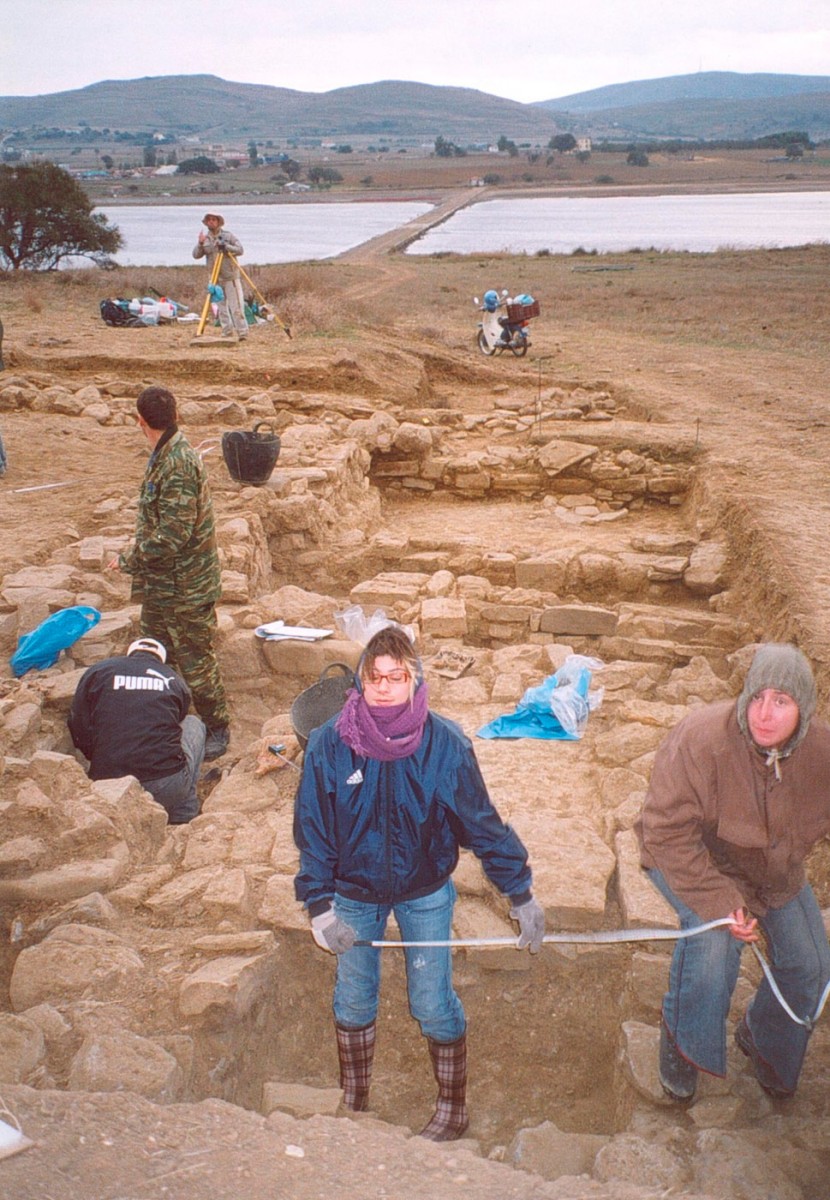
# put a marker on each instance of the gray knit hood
(785, 669)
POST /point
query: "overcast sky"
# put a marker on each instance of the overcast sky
(524, 50)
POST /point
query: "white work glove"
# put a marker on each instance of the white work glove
(531, 918)
(332, 934)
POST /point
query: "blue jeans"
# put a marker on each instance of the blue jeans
(704, 971)
(177, 793)
(432, 1000)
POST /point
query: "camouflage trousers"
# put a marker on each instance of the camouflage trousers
(188, 636)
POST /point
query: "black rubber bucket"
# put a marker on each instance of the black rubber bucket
(322, 700)
(250, 457)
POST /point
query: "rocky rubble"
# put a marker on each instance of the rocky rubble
(149, 961)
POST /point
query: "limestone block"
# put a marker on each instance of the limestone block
(124, 1061)
(59, 775)
(586, 620)
(557, 456)
(639, 1053)
(732, 1165)
(545, 1150)
(140, 821)
(209, 838)
(180, 891)
(619, 784)
(299, 1100)
(232, 984)
(74, 962)
(628, 742)
(697, 681)
(390, 588)
(284, 856)
(54, 577)
(243, 663)
(634, 1160)
(22, 1048)
(279, 906)
(442, 582)
(465, 692)
(304, 661)
(91, 553)
(234, 588)
(572, 867)
(652, 712)
(547, 572)
(228, 895)
(649, 976)
(92, 909)
(69, 880)
(21, 724)
(242, 792)
(444, 616)
(508, 688)
(248, 941)
(706, 573)
(21, 854)
(253, 842)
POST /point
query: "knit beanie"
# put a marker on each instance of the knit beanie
(784, 669)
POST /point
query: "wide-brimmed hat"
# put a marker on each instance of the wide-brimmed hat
(212, 217)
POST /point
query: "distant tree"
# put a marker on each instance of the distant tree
(149, 156)
(46, 216)
(637, 157)
(794, 150)
(562, 142)
(324, 175)
(505, 144)
(292, 168)
(253, 155)
(106, 159)
(344, 149)
(201, 165)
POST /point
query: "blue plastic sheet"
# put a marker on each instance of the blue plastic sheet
(41, 648)
(557, 709)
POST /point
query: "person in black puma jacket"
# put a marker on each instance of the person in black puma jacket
(129, 716)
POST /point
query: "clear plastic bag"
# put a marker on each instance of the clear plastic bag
(361, 629)
(567, 694)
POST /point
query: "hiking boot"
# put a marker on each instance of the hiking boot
(217, 742)
(764, 1073)
(678, 1077)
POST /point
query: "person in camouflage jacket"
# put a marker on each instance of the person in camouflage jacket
(174, 561)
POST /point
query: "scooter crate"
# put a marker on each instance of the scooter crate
(517, 313)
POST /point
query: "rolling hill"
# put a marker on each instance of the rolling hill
(709, 105)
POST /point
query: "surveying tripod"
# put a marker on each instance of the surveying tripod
(214, 284)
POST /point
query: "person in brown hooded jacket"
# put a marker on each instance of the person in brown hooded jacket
(739, 795)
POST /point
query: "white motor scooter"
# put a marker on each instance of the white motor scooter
(504, 323)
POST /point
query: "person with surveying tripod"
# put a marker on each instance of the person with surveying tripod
(221, 248)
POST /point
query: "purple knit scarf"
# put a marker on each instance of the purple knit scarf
(384, 732)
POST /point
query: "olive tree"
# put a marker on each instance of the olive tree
(46, 216)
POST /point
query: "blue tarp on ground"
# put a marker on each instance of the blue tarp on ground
(557, 709)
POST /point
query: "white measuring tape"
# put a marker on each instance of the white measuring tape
(604, 937)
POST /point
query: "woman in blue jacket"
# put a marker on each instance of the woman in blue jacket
(388, 794)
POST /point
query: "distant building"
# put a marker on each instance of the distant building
(293, 186)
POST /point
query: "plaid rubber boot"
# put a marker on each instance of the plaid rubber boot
(449, 1065)
(356, 1049)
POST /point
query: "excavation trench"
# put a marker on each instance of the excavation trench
(624, 553)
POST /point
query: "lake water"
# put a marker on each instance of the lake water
(165, 234)
(618, 223)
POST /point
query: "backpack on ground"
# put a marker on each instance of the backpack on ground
(117, 312)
